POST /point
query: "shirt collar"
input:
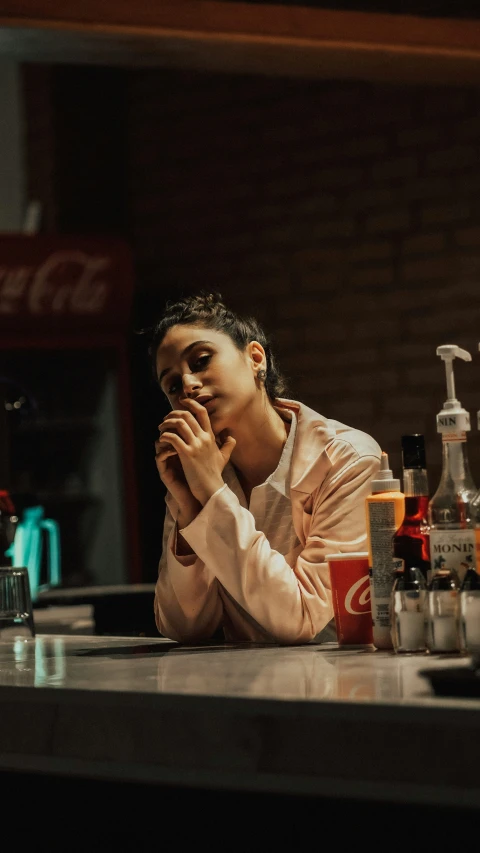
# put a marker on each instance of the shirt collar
(280, 478)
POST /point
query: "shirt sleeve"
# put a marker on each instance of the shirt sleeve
(187, 604)
(291, 603)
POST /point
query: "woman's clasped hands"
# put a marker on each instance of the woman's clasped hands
(190, 459)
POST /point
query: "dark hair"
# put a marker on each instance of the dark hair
(208, 310)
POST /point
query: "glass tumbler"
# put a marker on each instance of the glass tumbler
(470, 621)
(442, 608)
(16, 611)
(408, 611)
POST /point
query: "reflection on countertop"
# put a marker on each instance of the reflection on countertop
(161, 666)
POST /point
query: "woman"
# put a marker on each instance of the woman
(259, 488)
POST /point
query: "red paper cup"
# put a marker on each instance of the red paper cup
(351, 598)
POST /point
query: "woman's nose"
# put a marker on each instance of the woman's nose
(189, 383)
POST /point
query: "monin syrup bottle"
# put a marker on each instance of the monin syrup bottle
(451, 515)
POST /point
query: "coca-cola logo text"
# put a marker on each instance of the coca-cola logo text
(357, 599)
(66, 282)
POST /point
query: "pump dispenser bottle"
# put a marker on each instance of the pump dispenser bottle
(469, 607)
(385, 510)
(451, 516)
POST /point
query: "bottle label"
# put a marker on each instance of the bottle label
(453, 423)
(477, 550)
(382, 528)
(453, 549)
(382, 525)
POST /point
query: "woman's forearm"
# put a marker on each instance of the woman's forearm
(185, 516)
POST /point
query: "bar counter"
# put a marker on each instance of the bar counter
(315, 720)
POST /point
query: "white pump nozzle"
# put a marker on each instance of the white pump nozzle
(448, 352)
(453, 420)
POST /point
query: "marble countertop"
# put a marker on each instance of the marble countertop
(314, 719)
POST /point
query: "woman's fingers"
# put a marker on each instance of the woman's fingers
(195, 414)
(181, 430)
(172, 440)
(173, 419)
(179, 427)
(161, 444)
(164, 452)
(200, 413)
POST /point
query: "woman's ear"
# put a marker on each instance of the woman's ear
(257, 355)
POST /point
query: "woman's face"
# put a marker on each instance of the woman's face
(204, 364)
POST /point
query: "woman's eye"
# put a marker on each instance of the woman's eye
(201, 362)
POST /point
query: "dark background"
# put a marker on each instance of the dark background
(344, 214)
(464, 9)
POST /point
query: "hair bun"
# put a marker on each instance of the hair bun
(209, 300)
(204, 302)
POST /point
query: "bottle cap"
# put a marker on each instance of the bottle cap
(413, 451)
(384, 480)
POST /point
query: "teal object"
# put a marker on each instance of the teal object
(27, 549)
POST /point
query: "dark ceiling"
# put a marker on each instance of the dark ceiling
(443, 9)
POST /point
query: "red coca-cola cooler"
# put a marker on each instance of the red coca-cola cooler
(66, 433)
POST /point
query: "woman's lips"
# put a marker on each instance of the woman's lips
(207, 402)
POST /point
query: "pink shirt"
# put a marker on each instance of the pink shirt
(236, 579)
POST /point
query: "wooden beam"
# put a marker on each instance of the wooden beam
(242, 37)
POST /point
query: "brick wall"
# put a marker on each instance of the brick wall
(345, 215)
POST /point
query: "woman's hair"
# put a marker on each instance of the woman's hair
(208, 310)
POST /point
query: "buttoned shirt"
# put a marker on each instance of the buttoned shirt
(259, 569)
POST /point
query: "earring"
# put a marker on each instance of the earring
(261, 375)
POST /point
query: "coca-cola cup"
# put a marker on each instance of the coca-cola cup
(351, 598)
